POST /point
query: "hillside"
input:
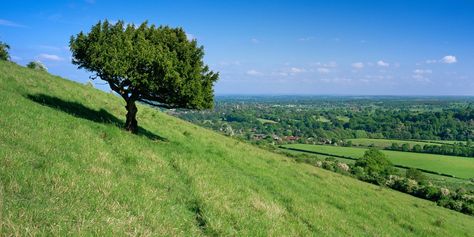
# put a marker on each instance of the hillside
(67, 168)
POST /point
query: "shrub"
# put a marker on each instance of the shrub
(429, 192)
(4, 56)
(415, 175)
(343, 167)
(37, 65)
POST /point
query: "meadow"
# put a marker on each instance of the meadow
(383, 143)
(460, 167)
(68, 168)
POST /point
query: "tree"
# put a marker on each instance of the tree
(4, 56)
(405, 147)
(37, 65)
(375, 163)
(417, 148)
(159, 66)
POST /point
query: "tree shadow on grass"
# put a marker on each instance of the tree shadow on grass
(81, 111)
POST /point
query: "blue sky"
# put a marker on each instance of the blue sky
(278, 47)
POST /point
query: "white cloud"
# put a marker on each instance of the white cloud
(50, 57)
(449, 59)
(331, 64)
(297, 70)
(254, 40)
(358, 65)
(381, 63)
(421, 74)
(254, 72)
(4, 22)
(323, 70)
(422, 71)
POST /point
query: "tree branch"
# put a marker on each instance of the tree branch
(157, 104)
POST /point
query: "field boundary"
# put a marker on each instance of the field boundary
(353, 158)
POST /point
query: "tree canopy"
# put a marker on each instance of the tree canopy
(154, 65)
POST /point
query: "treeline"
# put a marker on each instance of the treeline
(322, 121)
(456, 149)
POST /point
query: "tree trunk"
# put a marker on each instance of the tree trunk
(131, 124)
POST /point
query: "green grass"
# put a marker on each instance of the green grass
(266, 121)
(323, 119)
(383, 143)
(461, 167)
(67, 168)
(344, 119)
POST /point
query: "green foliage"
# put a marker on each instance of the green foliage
(405, 147)
(156, 65)
(37, 65)
(4, 56)
(415, 174)
(375, 163)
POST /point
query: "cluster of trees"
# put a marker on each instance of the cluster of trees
(317, 120)
(456, 149)
(375, 168)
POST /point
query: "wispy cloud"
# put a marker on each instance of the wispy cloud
(331, 64)
(358, 65)
(323, 70)
(421, 74)
(381, 63)
(297, 70)
(254, 40)
(304, 39)
(50, 57)
(4, 22)
(254, 72)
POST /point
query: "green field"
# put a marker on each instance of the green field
(453, 165)
(383, 143)
(442, 181)
(266, 121)
(344, 118)
(67, 168)
(323, 119)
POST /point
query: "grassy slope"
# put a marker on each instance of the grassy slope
(462, 167)
(66, 174)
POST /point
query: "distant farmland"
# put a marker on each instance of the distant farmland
(461, 167)
(383, 143)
